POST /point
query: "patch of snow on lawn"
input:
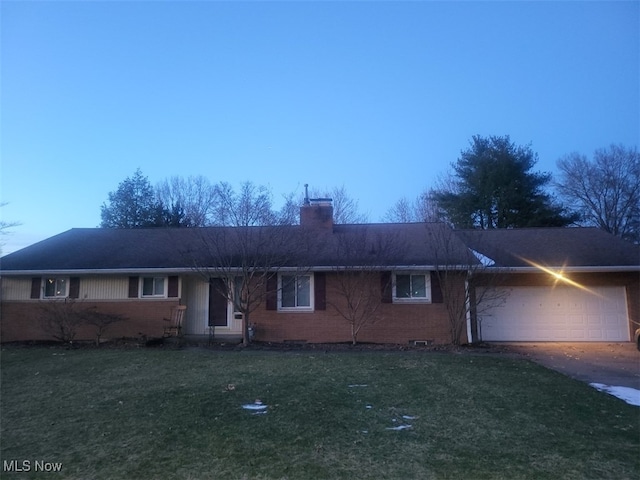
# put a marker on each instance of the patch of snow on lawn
(257, 407)
(628, 394)
(399, 427)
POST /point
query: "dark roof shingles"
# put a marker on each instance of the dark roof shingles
(572, 247)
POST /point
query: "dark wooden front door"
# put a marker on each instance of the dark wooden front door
(218, 303)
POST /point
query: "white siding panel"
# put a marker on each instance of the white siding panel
(104, 288)
(16, 288)
(91, 288)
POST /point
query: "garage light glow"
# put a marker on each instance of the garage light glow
(560, 277)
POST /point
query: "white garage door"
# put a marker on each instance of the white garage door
(562, 314)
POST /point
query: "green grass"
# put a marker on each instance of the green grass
(177, 414)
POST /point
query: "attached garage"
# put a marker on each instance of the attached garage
(560, 313)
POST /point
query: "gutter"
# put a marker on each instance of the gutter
(138, 271)
(322, 268)
(565, 269)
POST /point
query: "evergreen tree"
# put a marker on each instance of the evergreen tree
(132, 205)
(493, 187)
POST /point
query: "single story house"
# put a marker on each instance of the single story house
(319, 282)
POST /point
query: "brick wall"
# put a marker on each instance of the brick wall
(21, 321)
(393, 323)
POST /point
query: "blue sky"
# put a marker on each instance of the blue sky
(379, 97)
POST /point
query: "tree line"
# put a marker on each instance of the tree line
(492, 184)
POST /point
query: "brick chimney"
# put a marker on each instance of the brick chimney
(316, 212)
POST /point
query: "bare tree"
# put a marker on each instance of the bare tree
(251, 205)
(356, 285)
(101, 321)
(289, 214)
(242, 256)
(345, 208)
(241, 262)
(61, 319)
(194, 194)
(5, 227)
(467, 279)
(421, 209)
(605, 190)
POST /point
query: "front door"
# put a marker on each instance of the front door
(218, 304)
(222, 316)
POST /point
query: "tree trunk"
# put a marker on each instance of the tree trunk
(245, 329)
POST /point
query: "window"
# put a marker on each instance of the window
(56, 287)
(296, 292)
(153, 287)
(412, 287)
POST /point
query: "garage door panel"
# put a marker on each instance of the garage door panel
(558, 314)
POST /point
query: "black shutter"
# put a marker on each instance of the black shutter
(320, 290)
(74, 287)
(272, 292)
(436, 290)
(172, 290)
(385, 287)
(35, 287)
(133, 287)
(217, 303)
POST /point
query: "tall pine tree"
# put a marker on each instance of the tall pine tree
(493, 187)
(132, 205)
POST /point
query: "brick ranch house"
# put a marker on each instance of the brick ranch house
(556, 284)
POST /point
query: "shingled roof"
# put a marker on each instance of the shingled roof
(91, 249)
(385, 245)
(552, 247)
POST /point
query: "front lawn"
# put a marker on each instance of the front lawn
(178, 414)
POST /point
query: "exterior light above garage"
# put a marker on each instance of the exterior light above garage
(559, 276)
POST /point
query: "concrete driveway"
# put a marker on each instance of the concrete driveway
(615, 364)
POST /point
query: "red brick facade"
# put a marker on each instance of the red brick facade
(22, 320)
(393, 323)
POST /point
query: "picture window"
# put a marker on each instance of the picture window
(153, 287)
(411, 287)
(56, 287)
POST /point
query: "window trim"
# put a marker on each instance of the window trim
(67, 281)
(165, 288)
(427, 286)
(311, 306)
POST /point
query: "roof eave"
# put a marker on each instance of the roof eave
(571, 269)
(178, 270)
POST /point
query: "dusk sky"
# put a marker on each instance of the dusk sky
(380, 97)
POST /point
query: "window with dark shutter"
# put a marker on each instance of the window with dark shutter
(133, 287)
(272, 292)
(173, 286)
(35, 287)
(320, 290)
(74, 287)
(386, 287)
(436, 290)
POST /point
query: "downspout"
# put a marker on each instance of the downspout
(468, 309)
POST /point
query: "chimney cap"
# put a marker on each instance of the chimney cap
(321, 201)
